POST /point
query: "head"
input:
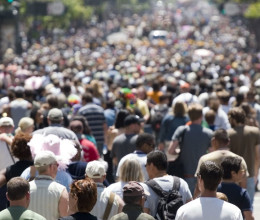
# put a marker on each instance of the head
(236, 116)
(19, 92)
(96, 170)
(87, 98)
(55, 116)
(185, 87)
(180, 109)
(6, 125)
(195, 112)
(131, 171)
(46, 163)
(80, 119)
(83, 195)
(210, 175)
(26, 125)
(132, 123)
(232, 168)
(18, 192)
(52, 101)
(133, 193)
(120, 117)
(214, 103)
(156, 162)
(220, 138)
(145, 142)
(20, 147)
(210, 116)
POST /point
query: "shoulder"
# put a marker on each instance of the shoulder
(145, 216)
(30, 214)
(121, 215)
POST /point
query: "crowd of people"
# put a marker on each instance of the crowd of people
(102, 130)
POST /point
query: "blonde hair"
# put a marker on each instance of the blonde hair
(24, 124)
(131, 171)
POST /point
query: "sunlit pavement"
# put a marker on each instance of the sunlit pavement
(256, 206)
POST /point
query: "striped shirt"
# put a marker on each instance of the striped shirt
(45, 196)
(96, 120)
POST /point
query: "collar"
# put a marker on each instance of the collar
(139, 152)
(44, 177)
(101, 185)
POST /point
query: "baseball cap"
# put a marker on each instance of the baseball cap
(44, 158)
(55, 114)
(132, 119)
(6, 121)
(95, 169)
(134, 188)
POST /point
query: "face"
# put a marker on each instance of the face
(149, 170)
(237, 177)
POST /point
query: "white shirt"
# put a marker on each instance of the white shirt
(208, 208)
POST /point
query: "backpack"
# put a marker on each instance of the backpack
(169, 202)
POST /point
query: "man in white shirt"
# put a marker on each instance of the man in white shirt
(208, 206)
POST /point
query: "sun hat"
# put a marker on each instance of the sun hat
(134, 188)
(63, 149)
(55, 114)
(6, 121)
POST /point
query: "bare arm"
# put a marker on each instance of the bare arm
(2, 177)
(248, 215)
(257, 160)
(173, 146)
(64, 203)
(121, 204)
(146, 210)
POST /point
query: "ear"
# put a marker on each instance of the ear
(7, 196)
(28, 196)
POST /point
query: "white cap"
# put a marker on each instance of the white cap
(44, 158)
(6, 121)
(95, 169)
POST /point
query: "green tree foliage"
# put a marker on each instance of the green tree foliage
(75, 11)
(253, 10)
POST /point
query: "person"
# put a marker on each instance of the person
(21, 151)
(25, 125)
(48, 198)
(18, 194)
(64, 150)
(96, 170)
(6, 158)
(129, 171)
(145, 143)
(134, 198)
(126, 143)
(156, 167)
(19, 107)
(82, 198)
(90, 151)
(221, 119)
(220, 150)
(208, 206)
(169, 125)
(96, 119)
(194, 141)
(245, 137)
(233, 172)
(55, 118)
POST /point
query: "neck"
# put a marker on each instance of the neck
(197, 122)
(160, 173)
(208, 193)
(21, 203)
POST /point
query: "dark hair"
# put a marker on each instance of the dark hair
(158, 159)
(87, 97)
(210, 116)
(131, 199)
(237, 114)
(86, 128)
(19, 146)
(195, 111)
(221, 136)
(179, 109)
(17, 188)
(211, 174)
(145, 138)
(52, 100)
(86, 192)
(230, 164)
(120, 117)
